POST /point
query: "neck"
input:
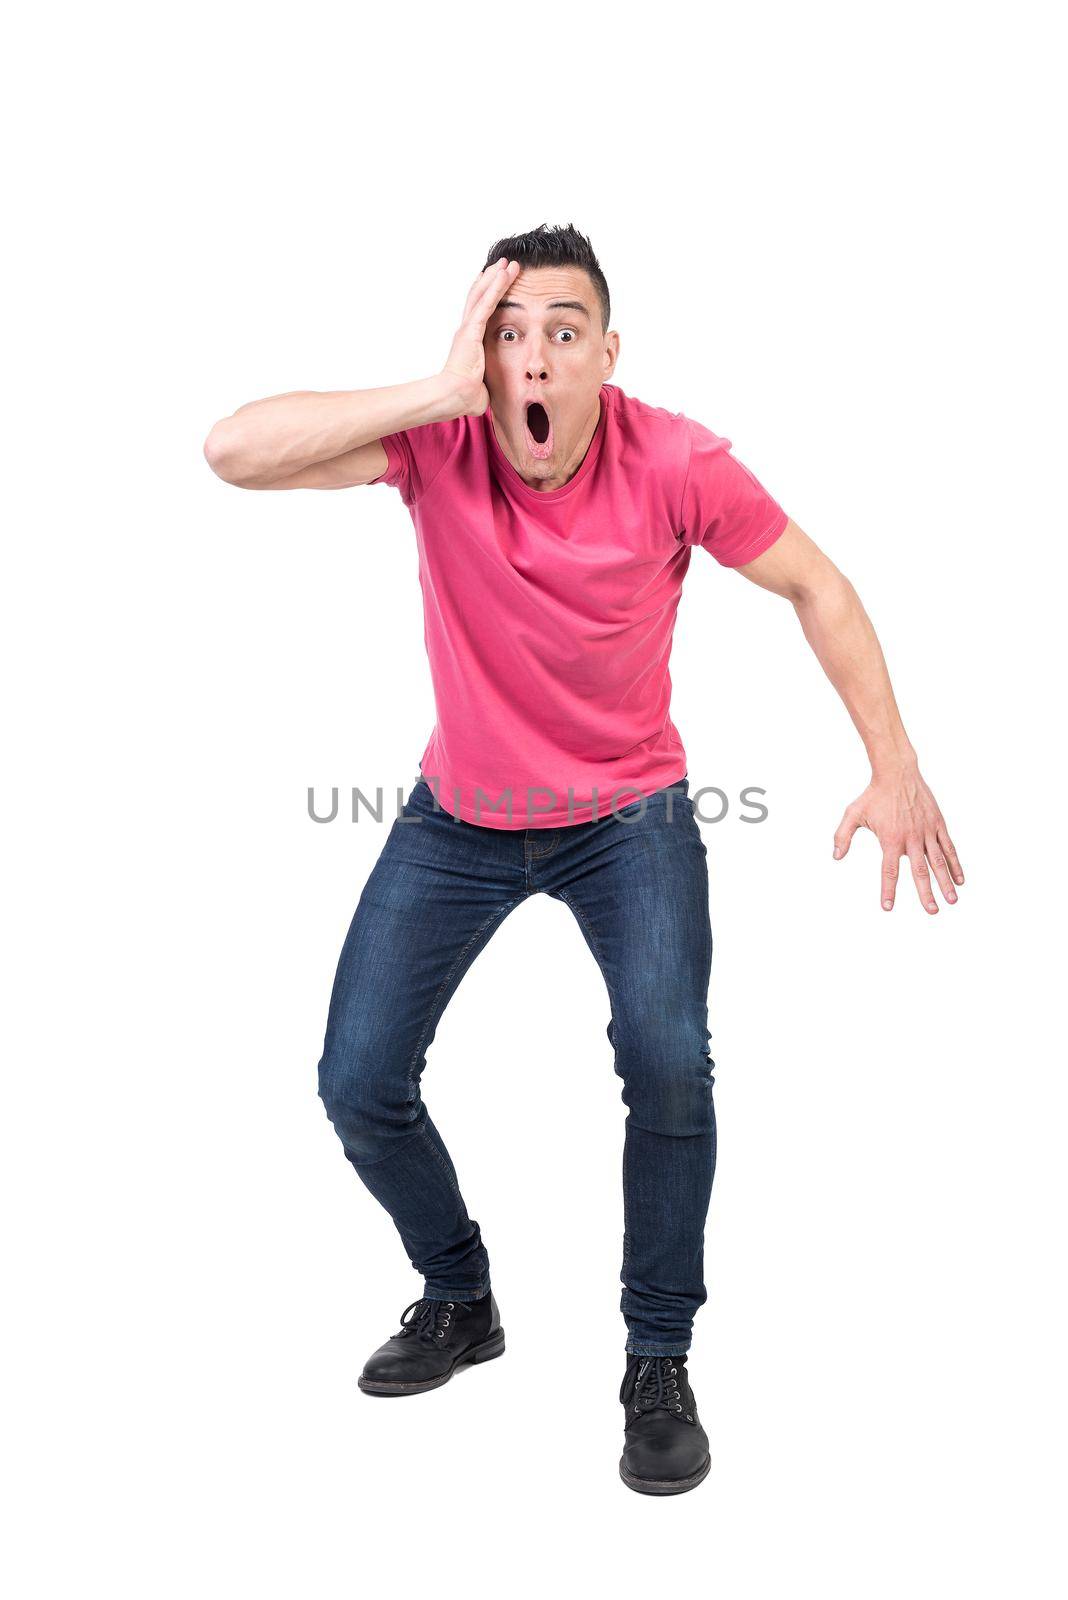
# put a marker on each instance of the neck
(555, 480)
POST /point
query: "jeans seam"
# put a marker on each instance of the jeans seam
(457, 1294)
(434, 1013)
(644, 1350)
(453, 1184)
(626, 1229)
(399, 1145)
(538, 855)
(578, 914)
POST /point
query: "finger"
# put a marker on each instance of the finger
(490, 280)
(950, 853)
(844, 832)
(920, 876)
(480, 285)
(940, 868)
(493, 289)
(890, 861)
(489, 272)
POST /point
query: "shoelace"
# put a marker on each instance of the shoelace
(653, 1381)
(429, 1319)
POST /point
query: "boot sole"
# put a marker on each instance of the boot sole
(665, 1485)
(486, 1351)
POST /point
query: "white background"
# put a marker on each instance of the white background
(829, 234)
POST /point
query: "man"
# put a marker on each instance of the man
(555, 518)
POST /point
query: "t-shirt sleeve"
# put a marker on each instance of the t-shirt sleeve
(724, 507)
(415, 456)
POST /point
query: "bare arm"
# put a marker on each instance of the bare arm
(330, 440)
(321, 440)
(897, 805)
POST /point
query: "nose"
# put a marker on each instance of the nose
(537, 369)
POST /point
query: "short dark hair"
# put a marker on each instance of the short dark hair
(551, 246)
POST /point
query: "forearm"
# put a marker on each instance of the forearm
(897, 805)
(845, 643)
(284, 433)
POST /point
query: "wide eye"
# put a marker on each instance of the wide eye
(504, 331)
(570, 331)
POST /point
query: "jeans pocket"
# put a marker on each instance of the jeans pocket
(680, 790)
(653, 802)
(421, 800)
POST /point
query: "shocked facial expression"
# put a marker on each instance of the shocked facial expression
(546, 359)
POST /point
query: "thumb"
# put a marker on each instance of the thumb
(844, 833)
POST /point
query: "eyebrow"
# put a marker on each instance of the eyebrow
(554, 305)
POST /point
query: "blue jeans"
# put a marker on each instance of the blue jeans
(637, 882)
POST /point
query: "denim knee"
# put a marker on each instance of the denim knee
(364, 1085)
(667, 1075)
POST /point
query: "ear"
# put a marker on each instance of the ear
(611, 352)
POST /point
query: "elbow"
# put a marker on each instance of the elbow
(826, 590)
(225, 455)
(799, 594)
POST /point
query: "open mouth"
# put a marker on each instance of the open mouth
(539, 429)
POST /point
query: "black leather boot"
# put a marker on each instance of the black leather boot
(666, 1448)
(436, 1337)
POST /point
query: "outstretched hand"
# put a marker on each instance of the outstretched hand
(904, 816)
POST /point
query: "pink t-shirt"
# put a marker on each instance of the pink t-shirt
(549, 615)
